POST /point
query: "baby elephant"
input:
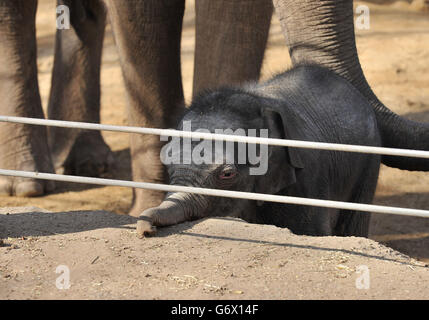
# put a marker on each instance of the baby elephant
(305, 103)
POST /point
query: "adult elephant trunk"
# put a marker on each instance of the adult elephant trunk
(176, 208)
(322, 32)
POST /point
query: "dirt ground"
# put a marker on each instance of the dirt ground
(223, 258)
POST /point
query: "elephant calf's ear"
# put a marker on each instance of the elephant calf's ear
(277, 126)
(283, 162)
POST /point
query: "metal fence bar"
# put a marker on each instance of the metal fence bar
(224, 137)
(221, 193)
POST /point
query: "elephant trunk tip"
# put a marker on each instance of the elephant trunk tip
(166, 214)
(145, 228)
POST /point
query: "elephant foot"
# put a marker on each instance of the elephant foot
(90, 156)
(22, 155)
(24, 188)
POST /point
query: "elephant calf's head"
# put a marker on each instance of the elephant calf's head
(225, 165)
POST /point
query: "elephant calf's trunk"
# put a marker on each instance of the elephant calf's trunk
(176, 208)
(166, 214)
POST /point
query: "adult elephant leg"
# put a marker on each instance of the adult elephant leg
(22, 147)
(231, 37)
(148, 35)
(75, 91)
(322, 32)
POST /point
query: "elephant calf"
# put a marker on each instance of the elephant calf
(305, 103)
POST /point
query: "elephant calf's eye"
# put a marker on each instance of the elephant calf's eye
(227, 175)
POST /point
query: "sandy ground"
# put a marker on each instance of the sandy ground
(210, 259)
(221, 258)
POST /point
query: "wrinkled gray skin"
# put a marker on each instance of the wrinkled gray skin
(147, 35)
(306, 103)
(230, 41)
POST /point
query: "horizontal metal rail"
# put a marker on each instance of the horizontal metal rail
(223, 137)
(221, 193)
